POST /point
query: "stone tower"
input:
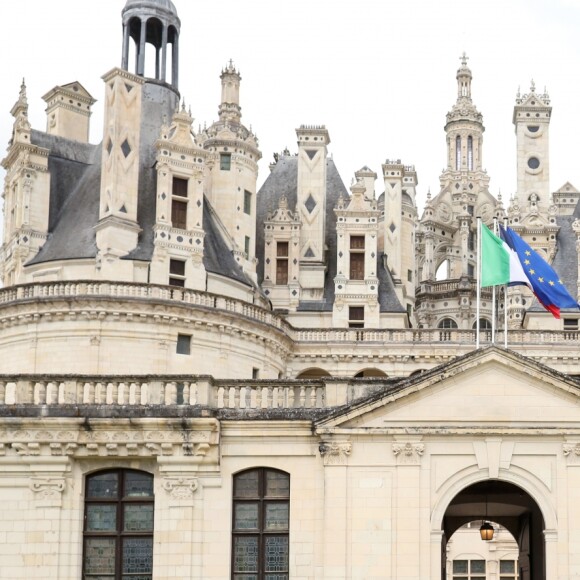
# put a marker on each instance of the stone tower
(134, 105)
(447, 236)
(233, 157)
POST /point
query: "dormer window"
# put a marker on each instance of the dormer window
(179, 203)
(357, 258)
(281, 263)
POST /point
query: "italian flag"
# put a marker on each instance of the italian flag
(499, 263)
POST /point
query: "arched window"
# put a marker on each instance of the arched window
(447, 323)
(261, 510)
(484, 324)
(118, 533)
(470, 153)
(457, 153)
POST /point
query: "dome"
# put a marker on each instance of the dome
(148, 6)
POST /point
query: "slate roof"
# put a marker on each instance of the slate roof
(566, 260)
(75, 184)
(283, 181)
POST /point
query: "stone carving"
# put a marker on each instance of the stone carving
(180, 488)
(335, 453)
(572, 452)
(408, 453)
(47, 489)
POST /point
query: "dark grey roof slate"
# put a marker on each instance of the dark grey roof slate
(388, 300)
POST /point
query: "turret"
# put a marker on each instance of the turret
(532, 114)
(233, 170)
(152, 22)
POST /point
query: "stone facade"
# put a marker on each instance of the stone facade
(164, 320)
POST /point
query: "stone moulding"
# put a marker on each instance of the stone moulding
(335, 452)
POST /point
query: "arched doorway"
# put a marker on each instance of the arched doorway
(509, 506)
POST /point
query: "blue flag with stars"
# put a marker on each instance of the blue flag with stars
(544, 281)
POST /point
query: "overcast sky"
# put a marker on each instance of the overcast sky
(380, 74)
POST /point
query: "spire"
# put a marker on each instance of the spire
(464, 79)
(229, 109)
(21, 105)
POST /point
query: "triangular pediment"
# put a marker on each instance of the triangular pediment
(567, 188)
(488, 389)
(77, 88)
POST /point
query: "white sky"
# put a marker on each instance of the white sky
(380, 74)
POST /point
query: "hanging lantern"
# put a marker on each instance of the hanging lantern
(486, 531)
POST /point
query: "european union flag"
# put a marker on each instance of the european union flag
(544, 281)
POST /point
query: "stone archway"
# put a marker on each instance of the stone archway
(509, 505)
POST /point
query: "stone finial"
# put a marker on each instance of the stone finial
(464, 58)
(532, 86)
(283, 203)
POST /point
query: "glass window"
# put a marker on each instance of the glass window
(183, 344)
(118, 532)
(447, 323)
(247, 246)
(179, 214)
(357, 258)
(225, 161)
(356, 316)
(282, 263)
(260, 527)
(247, 202)
(180, 186)
(177, 273)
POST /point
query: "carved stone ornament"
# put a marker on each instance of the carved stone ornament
(335, 453)
(180, 488)
(572, 453)
(408, 453)
(47, 489)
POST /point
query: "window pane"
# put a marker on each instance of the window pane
(281, 272)
(477, 566)
(247, 202)
(282, 251)
(100, 556)
(137, 555)
(133, 577)
(105, 485)
(179, 214)
(277, 484)
(356, 313)
(276, 577)
(177, 267)
(460, 566)
(357, 266)
(245, 577)
(276, 555)
(246, 516)
(101, 518)
(245, 554)
(246, 484)
(183, 344)
(507, 566)
(180, 186)
(138, 485)
(357, 242)
(138, 518)
(225, 161)
(277, 516)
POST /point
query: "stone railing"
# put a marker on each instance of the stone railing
(128, 290)
(53, 391)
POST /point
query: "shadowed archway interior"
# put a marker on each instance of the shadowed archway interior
(508, 505)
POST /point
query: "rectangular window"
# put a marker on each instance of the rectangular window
(177, 273)
(469, 570)
(180, 186)
(282, 263)
(247, 246)
(357, 258)
(225, 161)
(570, 324)
(255, 373)
(409, 275)
(183, 344)
(470, 270)
(247, 202)
(356, 316)
(179, 214)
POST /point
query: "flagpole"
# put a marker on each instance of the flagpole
(478, 282)
(505, 306)
(493, 313)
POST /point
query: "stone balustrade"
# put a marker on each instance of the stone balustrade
(205, 392)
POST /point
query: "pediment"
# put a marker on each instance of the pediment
(567, 188)
(77, 88)
(488, 389)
